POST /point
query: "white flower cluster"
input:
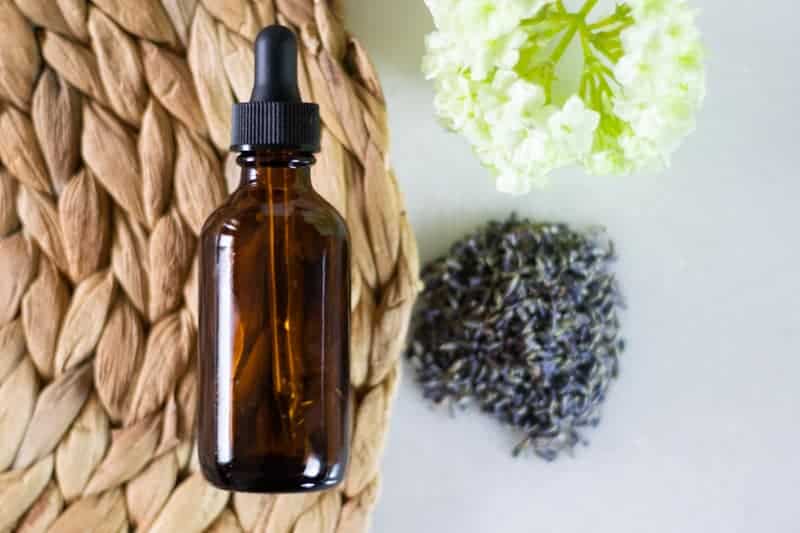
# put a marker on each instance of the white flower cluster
(494, 63)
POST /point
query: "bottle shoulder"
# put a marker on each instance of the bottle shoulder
(243, 212)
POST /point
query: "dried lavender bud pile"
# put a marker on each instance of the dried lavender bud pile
(522, 320)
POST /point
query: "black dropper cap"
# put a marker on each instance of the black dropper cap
(275, 118)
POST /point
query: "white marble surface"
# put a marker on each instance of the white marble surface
(701, 431)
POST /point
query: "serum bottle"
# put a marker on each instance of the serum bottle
(274, 341)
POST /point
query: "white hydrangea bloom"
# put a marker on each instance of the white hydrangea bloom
(493, 63)
(572, 129)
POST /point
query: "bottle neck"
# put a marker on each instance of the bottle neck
(276, 169)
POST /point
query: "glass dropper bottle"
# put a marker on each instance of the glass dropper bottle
(274, 300)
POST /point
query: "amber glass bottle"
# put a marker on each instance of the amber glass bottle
(274, 302)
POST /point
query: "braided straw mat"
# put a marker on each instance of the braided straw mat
(114, 126)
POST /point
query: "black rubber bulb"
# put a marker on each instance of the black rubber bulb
(276, 66)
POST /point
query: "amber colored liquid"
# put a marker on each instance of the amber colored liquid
(274, 333)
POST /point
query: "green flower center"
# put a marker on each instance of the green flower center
(569, 52)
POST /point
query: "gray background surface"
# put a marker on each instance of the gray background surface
(701, 432)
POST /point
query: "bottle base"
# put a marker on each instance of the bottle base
(271, 487)
(265, 481)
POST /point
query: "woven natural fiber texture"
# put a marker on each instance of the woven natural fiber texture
(114, 126)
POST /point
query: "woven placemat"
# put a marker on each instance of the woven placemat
(114, 126)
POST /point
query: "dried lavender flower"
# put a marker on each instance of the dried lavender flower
(522, 319)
